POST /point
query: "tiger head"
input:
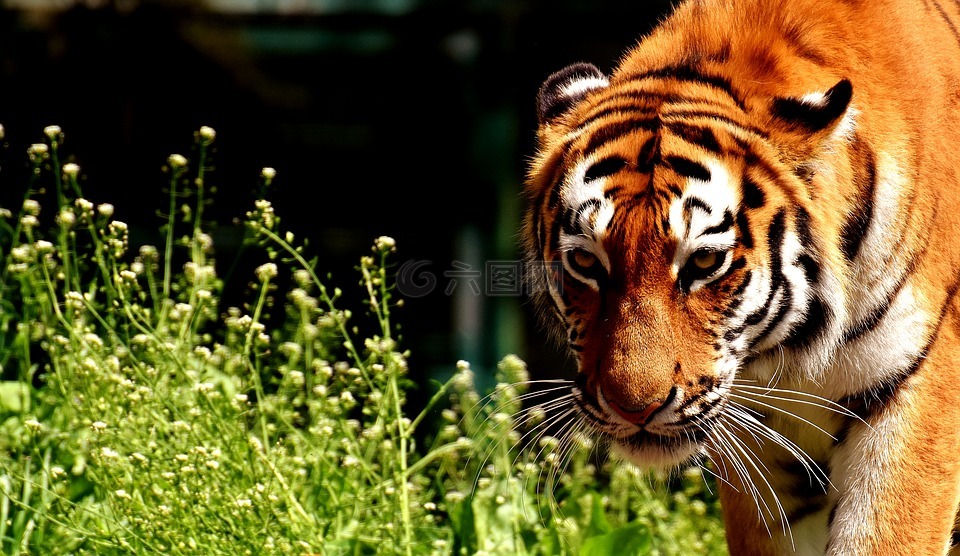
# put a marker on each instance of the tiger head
(669, 240)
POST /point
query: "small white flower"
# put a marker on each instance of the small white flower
(212, 463)
(52, 132)
(266, 271)
(66, 218)
(105, 209)
(71, 169)
(21, 253)
(122, 494)
(56, 472)
(208, 134)
(43, 246)
(33, 425)
(98, 426)
(29, 221)
(84, 205)
(31, 206)
(177, 161)
(350, 461)
(38, 151)
(268, 173)
(108, 452)
(244, 503)
(385, 243)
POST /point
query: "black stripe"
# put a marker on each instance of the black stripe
(811, 268)
(870, 402)
(620, 111)
(723, 226)
(786, 302)
(743, 230)
(737, 294)
(691, 203)
(814, 322)
(555, 235)
(646, 158)
(606, 167)
(876, 315)
(616, 130)
(802, 225)
(691, 74)
(688, 168)
(612, 192)
(775, 237)
(624, 102)
(737, 264)
(691, 114)
(571, 217)
(753, 196)
(858, 221)
(696, 135)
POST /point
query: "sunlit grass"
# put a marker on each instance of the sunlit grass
(140, 415)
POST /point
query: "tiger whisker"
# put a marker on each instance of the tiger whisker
(751, 458)
(812, 399)
(749, 423)
(733, 396)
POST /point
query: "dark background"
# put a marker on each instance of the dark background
(406, 118)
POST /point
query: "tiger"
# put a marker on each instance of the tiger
(746, 235)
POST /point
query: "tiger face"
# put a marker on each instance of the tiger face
(747, 236)
(679, 243)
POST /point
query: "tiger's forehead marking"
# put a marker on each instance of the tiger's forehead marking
(587, 212)
(702, 217)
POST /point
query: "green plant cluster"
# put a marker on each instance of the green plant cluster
(138, 415)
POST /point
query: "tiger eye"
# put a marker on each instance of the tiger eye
(705, 260)
(584, 259)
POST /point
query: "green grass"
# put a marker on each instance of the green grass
(140, 415)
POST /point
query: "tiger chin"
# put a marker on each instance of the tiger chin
(748, 236)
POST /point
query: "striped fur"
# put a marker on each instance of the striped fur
(746, 235)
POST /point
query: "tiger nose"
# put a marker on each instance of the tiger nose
(640, 416)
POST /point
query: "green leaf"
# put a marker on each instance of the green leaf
(465, 529)
(599, 525)
(14, 396)
(632, 540)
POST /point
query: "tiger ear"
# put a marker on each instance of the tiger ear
(815, 112)
(566, 87)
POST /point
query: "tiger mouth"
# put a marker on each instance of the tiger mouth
(680, 437)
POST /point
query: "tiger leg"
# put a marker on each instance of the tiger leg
(899, 478)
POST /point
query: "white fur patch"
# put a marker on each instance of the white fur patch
(688, 229)
(578, 87)
(591, 224)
